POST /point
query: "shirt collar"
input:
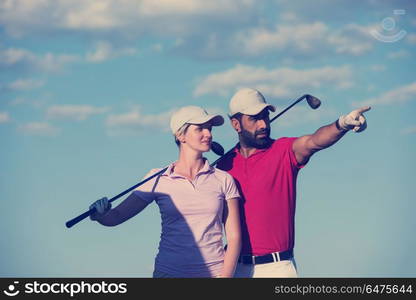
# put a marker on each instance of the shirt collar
(170, 171)
(237, 150)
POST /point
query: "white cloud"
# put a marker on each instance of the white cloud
(15, 57)
(158, 48)
(39, 128)
(352, 39)
(411, 38)
(378, 68)
(136, 120)
(4, 117)
(206, 28)
(312, 38)
(398, 54)
(38, 103)
(289, 17)
(279, 83)
(23, 85)
(105, 51)
(301, 37)
(193, 7)
(53, 63)
(308, 116)
(49, 62)
(401, 94)
(295, 39)
(73, 112)
(409, 130)
(341, 11)
(20, 17)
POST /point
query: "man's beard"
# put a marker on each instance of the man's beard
(253, 141)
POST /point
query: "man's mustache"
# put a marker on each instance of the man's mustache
(263, 131)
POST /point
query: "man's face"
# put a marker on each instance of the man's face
(255, 130)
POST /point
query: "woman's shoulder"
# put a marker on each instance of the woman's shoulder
(222, 174)
(153, 172)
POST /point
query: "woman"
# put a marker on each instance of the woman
(194, 199)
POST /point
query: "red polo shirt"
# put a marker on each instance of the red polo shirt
(267, 182)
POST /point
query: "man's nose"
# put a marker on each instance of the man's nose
(261, 124)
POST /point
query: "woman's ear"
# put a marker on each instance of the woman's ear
(180, 137)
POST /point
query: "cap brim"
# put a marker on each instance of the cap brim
(216, 120)
(254, 110)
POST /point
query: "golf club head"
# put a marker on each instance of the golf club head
(217, 148)
(313, 102)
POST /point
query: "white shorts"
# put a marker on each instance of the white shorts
(283, 268)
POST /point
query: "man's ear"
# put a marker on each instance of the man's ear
(236, 124)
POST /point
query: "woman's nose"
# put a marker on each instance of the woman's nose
(207, 133)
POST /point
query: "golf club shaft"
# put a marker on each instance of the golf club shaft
(287, 108)
(84, 215)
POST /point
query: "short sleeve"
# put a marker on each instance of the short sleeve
(146, 190)
(292, 157)
(230, 188)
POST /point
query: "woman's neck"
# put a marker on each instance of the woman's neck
(189, 164)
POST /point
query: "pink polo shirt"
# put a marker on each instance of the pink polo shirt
(191, 242)
(267, 183)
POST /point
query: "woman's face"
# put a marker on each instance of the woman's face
(198, 137)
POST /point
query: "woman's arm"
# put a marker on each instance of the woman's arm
(130, 207)
(233, 235)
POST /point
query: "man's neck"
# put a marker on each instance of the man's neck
(245, 150)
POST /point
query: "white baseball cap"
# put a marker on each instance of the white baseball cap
(193, 115)
(249, 102)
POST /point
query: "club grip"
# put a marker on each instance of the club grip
(81, 217)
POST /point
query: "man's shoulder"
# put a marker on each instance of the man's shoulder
(282, 142)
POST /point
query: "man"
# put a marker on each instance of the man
(265, 171)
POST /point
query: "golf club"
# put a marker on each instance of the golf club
(215, 147)
(313, 102)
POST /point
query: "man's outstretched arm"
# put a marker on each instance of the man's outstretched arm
(328, 135)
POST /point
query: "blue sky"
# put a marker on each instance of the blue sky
(87, 89)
